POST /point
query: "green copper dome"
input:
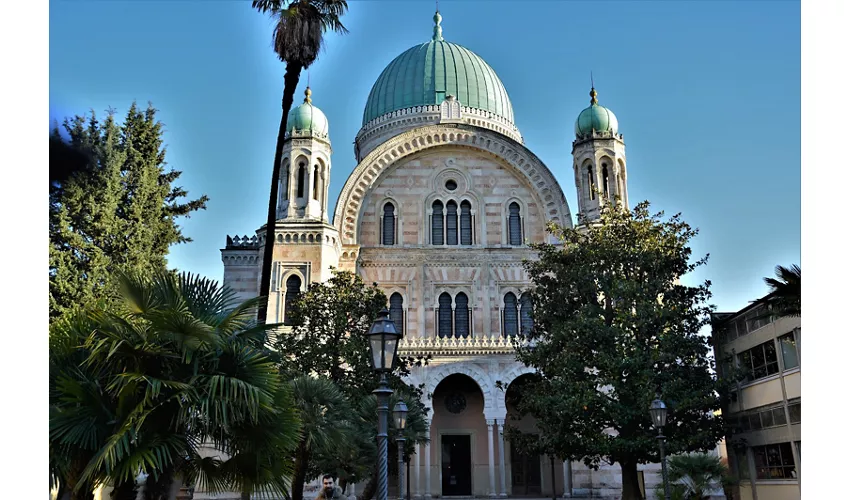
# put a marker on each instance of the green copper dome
(425, 74)
(596, 118)
(307, 118)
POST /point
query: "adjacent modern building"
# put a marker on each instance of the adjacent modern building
(439, 212)
(763, 444)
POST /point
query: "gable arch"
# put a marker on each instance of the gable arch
(349, 207)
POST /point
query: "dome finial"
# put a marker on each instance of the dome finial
(307, 94)
(593, 100)
(438, 30)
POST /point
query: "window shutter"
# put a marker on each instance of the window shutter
(514, 225)
(525, 313)
(465, 223)
(445, 316)
(510, 315)
(397, 311)
(437, 223)
(388, 224)
(461, 316)
(293, 288)
(451, 223)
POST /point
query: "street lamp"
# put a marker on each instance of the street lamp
(658, 414)
(383, 343)
(400, 415)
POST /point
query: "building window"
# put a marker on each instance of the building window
(451, 184)
(591, 185)
(514, 225)
(451, 223)
(286, 182)
(316, 182)
(437, 223)
(794, 412)
(605, 182)
(444, 319)
(388, 224)
(465, 223)
(526, 321)
(774, 461)
(397, 311)
(293, 288)
(302, 173)
(461, 315)
(742, 463)
(788, 346)
(510, 315)
(760, 361)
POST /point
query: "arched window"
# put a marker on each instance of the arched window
(285, 181)
(437, 223)
(451, 223)
(461, 315)
(302, 173)
(510, 315)
(514, 225)
(465, 223)
(293, 288)
(591, 184)
(397, 311)
(444, 319)
(388, 224)
(526, 321)
(316, 182)
(605, 182)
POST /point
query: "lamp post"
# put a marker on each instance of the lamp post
(383, 343)
(658, 414)
(400, 415)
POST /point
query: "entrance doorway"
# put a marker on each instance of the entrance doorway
(457, 464)
(525, 474)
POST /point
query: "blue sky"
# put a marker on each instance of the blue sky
(707, 95)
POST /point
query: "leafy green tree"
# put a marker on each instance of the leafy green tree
(328, 341)
(113, 205)
(614, 327)
(143, 382)
(298, 37)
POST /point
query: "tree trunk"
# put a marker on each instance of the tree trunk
(631, 488)
(343, 482)
(370, 488)
(302, 455)
(246, 495)
(159, 489)
(290, 82)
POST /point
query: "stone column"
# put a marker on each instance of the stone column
(417, 490)
(568, 479)
(503, 491)
(428, 463)
(491, 464)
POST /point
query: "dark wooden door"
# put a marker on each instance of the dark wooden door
(456, 465)
(525, 473)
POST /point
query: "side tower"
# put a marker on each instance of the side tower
(306, 246)
(599, 161)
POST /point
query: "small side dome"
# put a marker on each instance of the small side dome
(596, 118)
(307, 119)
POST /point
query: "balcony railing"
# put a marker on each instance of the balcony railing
(452, 345)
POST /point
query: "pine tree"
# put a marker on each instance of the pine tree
(120, 212)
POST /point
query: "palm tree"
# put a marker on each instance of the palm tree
(143, 385)
(695, 476)
(324, 413)
(785, 298)
(298, 38)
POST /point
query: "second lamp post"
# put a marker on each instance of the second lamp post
(400, 414)
(383, 344)
(658, 414)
